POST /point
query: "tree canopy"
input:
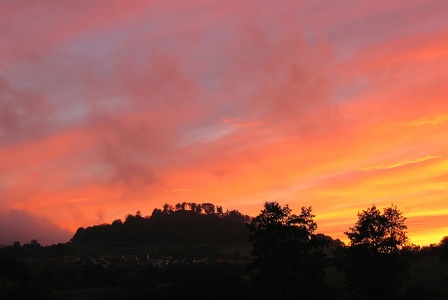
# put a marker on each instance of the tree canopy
(383, 232)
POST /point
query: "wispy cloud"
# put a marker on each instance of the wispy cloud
(401, 163)
(178, 190)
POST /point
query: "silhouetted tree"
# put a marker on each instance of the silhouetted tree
(34, 243)
(288, 260)
(219, 211)
(198, 208)
(444, 248)
(117, 222)
(208, 208)
(167, 208)
(156, 213)
(134, 219)
(374, 262)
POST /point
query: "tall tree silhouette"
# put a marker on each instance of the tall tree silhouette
(288, 259)
(374, 263)
(444, 248)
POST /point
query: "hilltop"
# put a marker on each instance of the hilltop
(181, 223)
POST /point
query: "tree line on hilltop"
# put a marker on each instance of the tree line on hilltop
(183, 223)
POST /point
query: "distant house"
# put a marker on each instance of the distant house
(159, 262)
(156, 262)
(224, 261)
(166, 258)
(200, 261)
(130, 259)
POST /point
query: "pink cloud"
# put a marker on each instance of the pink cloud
(118, 103)
(24, 115)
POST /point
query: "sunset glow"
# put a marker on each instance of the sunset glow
(109, 107)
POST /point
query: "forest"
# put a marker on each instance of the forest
(200, 251)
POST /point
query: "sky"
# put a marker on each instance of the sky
(109, 107)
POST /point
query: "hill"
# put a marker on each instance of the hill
(182, 223)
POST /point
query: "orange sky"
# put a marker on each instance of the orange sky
(109, 107)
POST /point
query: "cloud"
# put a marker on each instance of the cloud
(178, 190)
(399, 164)
(131, 105)
(127, 146)
(170, 96)
(22, 226)
(24, 115)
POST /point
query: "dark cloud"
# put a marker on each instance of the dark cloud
(131, 146)
(19, 225)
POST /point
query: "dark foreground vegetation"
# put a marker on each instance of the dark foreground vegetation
(198, 251)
